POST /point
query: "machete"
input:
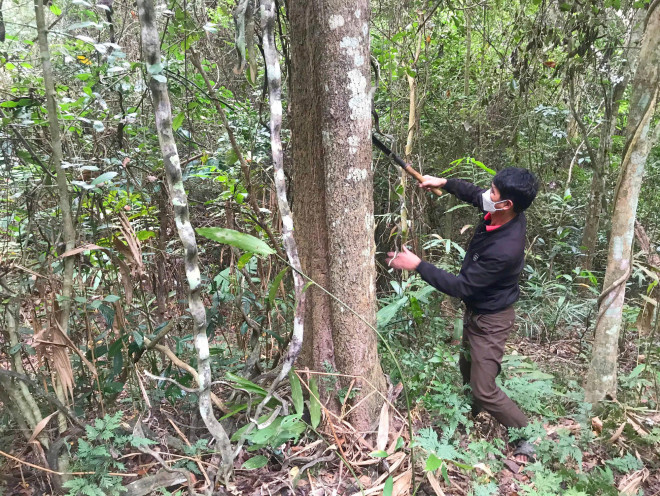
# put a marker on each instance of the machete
(406, 167)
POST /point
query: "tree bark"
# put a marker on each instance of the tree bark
(333, 181)
(601, 378)
(163, 117)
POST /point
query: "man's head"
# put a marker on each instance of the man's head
(518, 185)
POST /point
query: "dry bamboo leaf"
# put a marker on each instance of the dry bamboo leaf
(435, 484)
(383, 427)
(631, 482)
(617, 434)
(639, 429)
(73, 346)
(402, 485)
(119, 245)
(80, 249)
(484, 468)
(407, 475)
(40, 427)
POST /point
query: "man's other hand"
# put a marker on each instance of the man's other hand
(432, 182)
(403, 260)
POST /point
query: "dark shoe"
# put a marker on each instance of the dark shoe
(527, 449)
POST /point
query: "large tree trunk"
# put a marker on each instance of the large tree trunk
(333, 181)
(601, 379)
(163, 117)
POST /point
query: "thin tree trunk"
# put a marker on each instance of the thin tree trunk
(163, 115)
(612, 99)
(601, 378)
(410, 138)
(64, 383)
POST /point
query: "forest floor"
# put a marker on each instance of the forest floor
(623, 431)
(612, 452)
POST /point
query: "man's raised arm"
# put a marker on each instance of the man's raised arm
(461, 189)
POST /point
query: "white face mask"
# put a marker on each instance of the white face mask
(489, 205)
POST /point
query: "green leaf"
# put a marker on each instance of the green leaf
(243, 261)
(483, 167)
(272, 292)
(255, 462)
(249, 386)
(230, 157)
(389, 486)
(400, 443)
(378, 454)
(103, 178)
(636, 371)
(388, 312)
(155, 68)
(178, 120)
(314, 405)
(159, 77)
(296, 392)
(55, 9)
(137, 442)
(144, 235)
(111, 298)
(14, 349)
(139, 339)
(433, 463)
(240, 240)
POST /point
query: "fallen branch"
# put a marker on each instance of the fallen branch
(54, 472)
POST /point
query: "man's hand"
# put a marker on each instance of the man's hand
(432, 182)
(404, 260)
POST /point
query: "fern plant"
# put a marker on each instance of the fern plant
(98, 454)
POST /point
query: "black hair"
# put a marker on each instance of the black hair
(518, 185)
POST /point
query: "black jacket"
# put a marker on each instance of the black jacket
(488, 280)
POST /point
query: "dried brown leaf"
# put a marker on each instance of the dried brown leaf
(435, 484)
(631, 482)
(40, 427)
(597, 425)
(383, 427)
(617, 434)
(402, 485)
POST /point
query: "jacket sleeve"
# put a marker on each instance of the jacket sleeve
(465, 191)
(475, 278)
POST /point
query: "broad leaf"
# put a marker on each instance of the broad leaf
(255, 462)
(296, 392)
(389, 486)
(272, 292)
(240, 240)
(314, 405)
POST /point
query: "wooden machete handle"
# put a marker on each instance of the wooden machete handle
(420, 179)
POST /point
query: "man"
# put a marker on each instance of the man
(488, 285)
